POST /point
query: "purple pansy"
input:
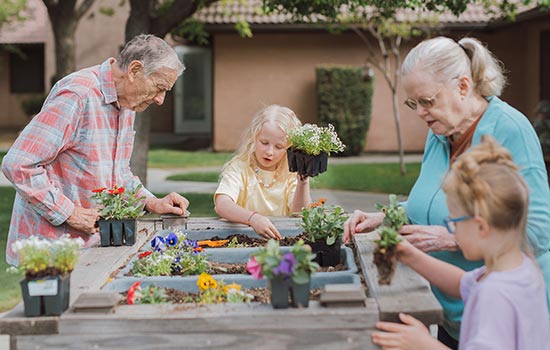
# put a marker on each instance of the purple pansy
(286, 266)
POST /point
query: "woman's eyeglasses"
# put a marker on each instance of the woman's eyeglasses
(426, 103)
(450, 222)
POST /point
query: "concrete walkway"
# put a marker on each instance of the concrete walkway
(349, 200)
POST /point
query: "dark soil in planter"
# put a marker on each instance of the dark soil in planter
(261, 295)
(217, 268)
(386, 263)
(247, 241)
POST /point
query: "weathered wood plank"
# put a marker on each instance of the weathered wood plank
(261, 336)
(280, 222)
(180, 318)
(409, 292)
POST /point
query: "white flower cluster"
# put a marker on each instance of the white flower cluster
(37, 254)
(313, 139)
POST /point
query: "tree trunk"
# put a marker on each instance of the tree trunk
(142, 21)
(64, 18)
(139, 22)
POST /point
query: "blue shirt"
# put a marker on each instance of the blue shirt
(427, 205)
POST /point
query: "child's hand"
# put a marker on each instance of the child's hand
(411, 335)
(264, 227)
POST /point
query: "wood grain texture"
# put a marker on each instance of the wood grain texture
(409, 292)
(258, 337)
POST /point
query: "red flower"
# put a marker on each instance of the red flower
(132, 295)
(145, 254)
(99, 190)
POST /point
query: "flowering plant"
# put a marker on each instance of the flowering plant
(313, 140)
(39, 257)
(148, 295)
(118, 203)
(173, 254)
(269, 261)
(319, 222)
(212, 291)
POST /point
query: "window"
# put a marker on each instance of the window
(27, 69)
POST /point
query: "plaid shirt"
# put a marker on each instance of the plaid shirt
(79, 141)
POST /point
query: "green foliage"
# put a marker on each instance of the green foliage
(118, 203)
(319, 222)
(213, 292)
(269, 259)
(151, 295)
(396, 216)
(10, 10)
(388, 238)
(39, 257)
(344, 96)
(192, 30)
(174, 254)
(33, 104)
(312, 139)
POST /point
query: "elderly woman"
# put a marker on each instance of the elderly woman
(454, 88)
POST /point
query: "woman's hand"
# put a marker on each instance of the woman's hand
(411, 335)
(431, 238)
(360, 221)
(264, 227)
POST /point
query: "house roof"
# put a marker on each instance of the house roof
(33, 29)
(223, 13)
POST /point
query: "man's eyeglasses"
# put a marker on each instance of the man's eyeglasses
(450, 222)
(426, 103)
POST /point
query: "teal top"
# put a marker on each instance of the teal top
(427, 205)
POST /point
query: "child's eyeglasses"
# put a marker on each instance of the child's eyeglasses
(450, 222)
(426, 103)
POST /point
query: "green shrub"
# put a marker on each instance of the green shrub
(344, 99)
(33, 104)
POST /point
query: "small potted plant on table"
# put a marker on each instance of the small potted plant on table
(47, 266)
(288, 273)
(324, 229)
(310, 146)
(120, 209)
(384, 256)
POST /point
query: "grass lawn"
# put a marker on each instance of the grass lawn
(377, 178)
(2, 154)
(10, 292)
(168, 158)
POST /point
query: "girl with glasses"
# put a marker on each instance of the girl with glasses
(454, 87)
(505, 300)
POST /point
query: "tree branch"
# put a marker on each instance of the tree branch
(83, 8)
(178, 11)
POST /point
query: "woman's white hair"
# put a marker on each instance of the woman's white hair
(153, 52)
(445, 59)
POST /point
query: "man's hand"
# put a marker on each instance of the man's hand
(173, 203)
(84, 220)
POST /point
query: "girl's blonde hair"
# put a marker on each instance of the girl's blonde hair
(281, 116)
(446, 59)
(486, 182)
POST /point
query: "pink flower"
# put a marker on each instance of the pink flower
(133, 293)
(254, 268)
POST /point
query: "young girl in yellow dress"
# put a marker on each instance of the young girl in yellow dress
(256, 182)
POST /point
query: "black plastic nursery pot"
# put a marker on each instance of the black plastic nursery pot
(281, 288)
(117, 232)
(326, 255)
(46, 296)
(305, 164)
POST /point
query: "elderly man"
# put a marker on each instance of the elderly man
(82, 139)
